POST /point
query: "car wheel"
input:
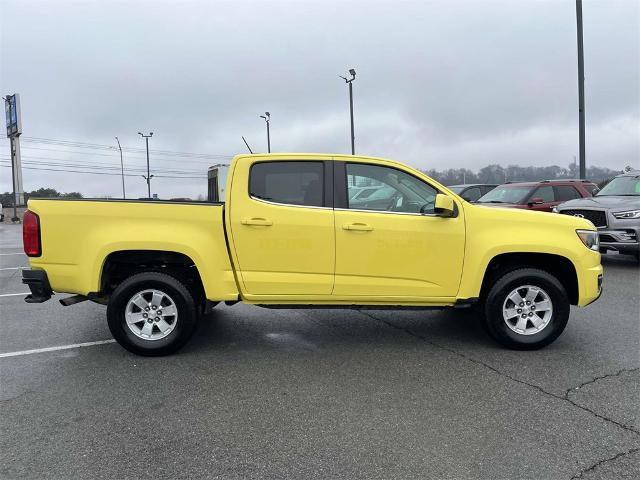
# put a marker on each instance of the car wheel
(151, 314)
(526, 309)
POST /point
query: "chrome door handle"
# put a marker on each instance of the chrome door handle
(360, 227)
(260, 222)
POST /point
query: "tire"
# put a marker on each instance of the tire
(142, 297)
(542, 325)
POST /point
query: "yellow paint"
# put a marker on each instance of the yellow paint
(300, 255)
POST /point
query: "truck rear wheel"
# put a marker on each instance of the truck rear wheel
(526, 309)
(151, 313)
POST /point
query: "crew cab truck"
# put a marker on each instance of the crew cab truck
(287, 237)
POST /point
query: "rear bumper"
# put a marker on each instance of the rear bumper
(38, 283)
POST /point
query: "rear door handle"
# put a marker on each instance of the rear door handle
(260, 222)
(360, 227)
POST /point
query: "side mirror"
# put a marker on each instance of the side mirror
(444, 206)
(535, 201)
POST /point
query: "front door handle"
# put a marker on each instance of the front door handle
(260, 222)
(360, 227)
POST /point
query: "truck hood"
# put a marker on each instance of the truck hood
(531, 217)
(615, 202)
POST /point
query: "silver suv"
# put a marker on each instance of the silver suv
(615, 210)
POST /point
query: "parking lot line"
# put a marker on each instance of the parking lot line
(53, 349)
(13, 268)
(17, 253)
(13, 294)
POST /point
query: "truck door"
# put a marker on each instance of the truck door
(396, 246)
(281, 220)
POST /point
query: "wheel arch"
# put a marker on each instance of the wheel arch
(560, 267)
(121, 264)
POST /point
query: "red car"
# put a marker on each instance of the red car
(541, 196)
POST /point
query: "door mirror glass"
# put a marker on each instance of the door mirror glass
(444, 206)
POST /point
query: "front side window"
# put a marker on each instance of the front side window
(506, 194)
(472, 194)
(397, 191)
(545, 193)
(293, 183)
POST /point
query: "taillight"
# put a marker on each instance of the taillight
(31, 234)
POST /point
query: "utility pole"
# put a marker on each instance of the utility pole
(124, 195)
(14, 130)
(583, 165)
(148, 177)
(349, 82)
(267, 118)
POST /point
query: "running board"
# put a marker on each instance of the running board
(66, 302)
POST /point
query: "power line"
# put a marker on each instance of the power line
(98, 146)
(115, 155)
(99, 165)
(98, 173)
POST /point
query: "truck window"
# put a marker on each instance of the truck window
(566, 192)
(400, 192)
(293, 183)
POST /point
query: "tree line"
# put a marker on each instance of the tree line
(497, 174)
(6, 198)
(494, 174)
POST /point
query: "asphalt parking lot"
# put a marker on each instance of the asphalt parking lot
(318, 394)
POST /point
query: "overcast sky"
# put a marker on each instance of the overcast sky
(439, 84)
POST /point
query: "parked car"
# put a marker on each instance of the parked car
(1, 214)
(472, 192)
(361, 192)
(540, 196)
(615, 211)
(287, 236)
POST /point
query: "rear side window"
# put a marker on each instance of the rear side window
(293, 183)
(591, 188)
(566, 192)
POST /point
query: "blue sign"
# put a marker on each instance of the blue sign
(12, 114)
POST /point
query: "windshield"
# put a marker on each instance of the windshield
(505, 194)
(457, 188)
(621, 186)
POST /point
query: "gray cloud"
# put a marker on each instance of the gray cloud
(440, 83)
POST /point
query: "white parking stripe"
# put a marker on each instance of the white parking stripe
(14, 294)
(13, 268)
(53, 349)
(18, 253)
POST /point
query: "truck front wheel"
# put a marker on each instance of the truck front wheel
(151, 313)
(526, 309)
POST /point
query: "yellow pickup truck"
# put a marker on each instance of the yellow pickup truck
(294, 233)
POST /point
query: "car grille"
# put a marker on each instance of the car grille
(597, 217)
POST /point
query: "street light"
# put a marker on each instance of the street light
(349, 81)
(148, 177)
(267, 117)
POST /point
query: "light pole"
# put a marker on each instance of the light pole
(267, 117)
(583, 165)
(349, 81)
(148, 177)
(124, 195)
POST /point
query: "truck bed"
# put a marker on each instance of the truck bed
(99, 228)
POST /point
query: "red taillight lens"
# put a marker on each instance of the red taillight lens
(31, 234)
